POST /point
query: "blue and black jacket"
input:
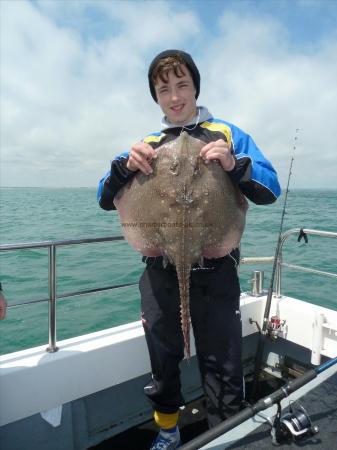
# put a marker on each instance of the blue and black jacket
(252, 172)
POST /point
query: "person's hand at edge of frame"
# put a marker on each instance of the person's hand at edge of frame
(3, 305)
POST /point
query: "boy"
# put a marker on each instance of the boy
(174, 82)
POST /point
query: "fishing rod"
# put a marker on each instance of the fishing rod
(264, 330)
(264, 403)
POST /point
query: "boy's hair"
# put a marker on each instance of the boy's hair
(172, 60)
(161, 69)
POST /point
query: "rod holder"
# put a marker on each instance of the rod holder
(257, 283)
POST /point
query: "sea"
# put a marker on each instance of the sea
(30, 215)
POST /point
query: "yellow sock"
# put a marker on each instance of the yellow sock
(166, 421)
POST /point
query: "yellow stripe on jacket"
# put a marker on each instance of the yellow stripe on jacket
(223, 128)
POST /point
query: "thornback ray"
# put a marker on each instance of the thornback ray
(185, 211)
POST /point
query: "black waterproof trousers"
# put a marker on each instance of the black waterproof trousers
(216, 321)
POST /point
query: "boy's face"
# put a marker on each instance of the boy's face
(177, 97)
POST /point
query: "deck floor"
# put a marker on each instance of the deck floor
(192, 422)
(320, 403)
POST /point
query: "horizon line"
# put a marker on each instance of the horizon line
(95, 187)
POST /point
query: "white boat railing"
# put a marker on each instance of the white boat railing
(52, 282)
(280, 263)
(52, 287)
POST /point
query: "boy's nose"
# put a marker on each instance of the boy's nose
(174, 94)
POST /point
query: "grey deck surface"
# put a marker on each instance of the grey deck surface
(320, 403)
(192, 422)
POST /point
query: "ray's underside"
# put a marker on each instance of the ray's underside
(185, 211)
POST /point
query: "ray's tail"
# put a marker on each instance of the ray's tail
(183, 274)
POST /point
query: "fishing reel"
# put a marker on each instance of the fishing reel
(275, 327)
(292, 426)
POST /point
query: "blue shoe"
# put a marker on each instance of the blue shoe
(167, 440)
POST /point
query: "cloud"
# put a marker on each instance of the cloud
(74, 83)
(271, 87)
(70, 104)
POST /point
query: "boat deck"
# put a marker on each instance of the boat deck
(192, 422)
(320, 403)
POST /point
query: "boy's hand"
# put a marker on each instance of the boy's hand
(140, 157)
(221, 151)
(3, 306)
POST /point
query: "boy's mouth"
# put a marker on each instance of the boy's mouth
(177, 108)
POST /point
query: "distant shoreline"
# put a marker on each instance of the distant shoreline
(95, 187)
(48, 187)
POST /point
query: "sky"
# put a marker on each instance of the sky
(74, 90)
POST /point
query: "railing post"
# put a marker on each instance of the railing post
(52, 300)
